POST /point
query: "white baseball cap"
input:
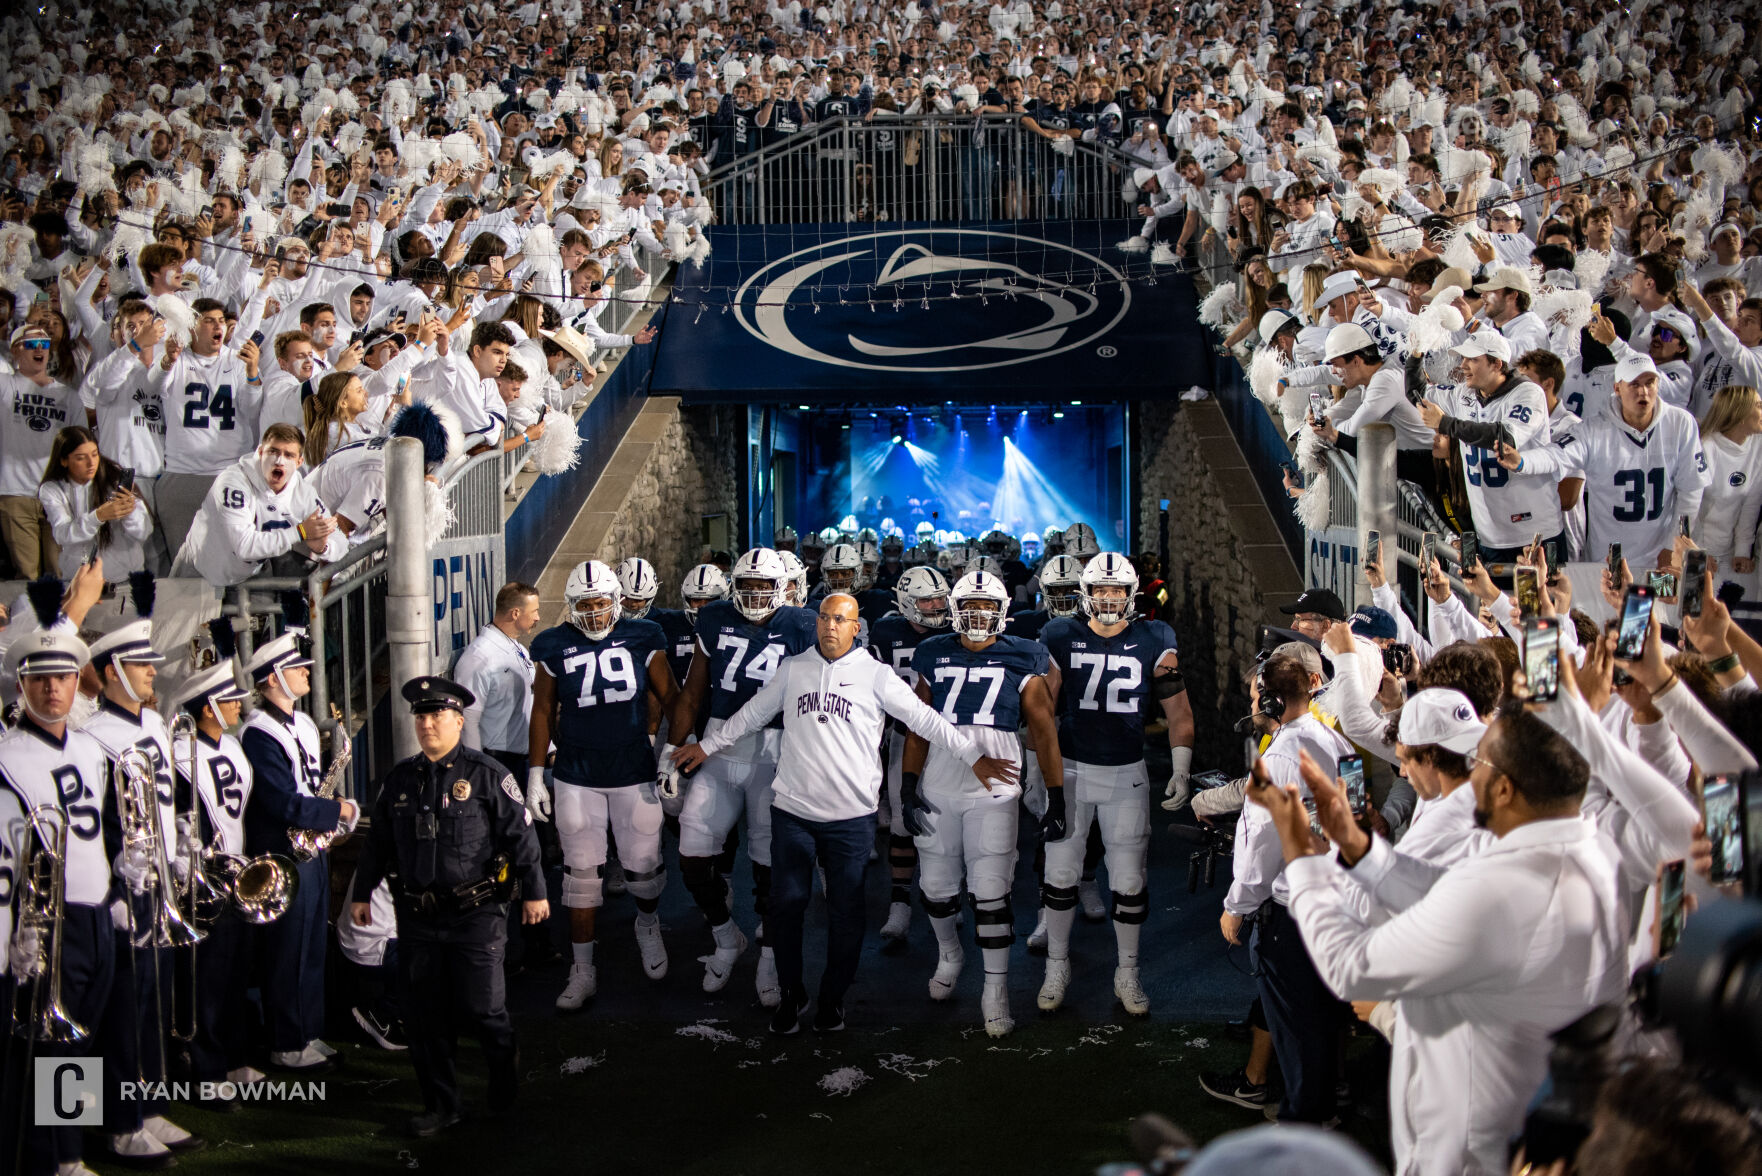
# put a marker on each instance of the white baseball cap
(1440, 717)
(1632, 366)
(1489, 343)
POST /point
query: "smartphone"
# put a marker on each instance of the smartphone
(1428, 551)
(1350, 770)
(1373, 544)
(1723, 814)
(1636, 616)
(125, 479)
(1614, 564)
(1682, 525)
(1529, 590)
(1471, 550)
(257, 338)
(1551, 556)
(1671, 890)
(1663, 584)
(41, 299)
(1541, 657)
(1693, 592)
(208, 210)
(1318, 405)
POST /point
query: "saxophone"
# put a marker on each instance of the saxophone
(309, 843)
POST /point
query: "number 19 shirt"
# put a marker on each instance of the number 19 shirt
(1104, 688)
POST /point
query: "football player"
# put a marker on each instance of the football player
(593, 680)
(739, 645)
(922, 595)
(1104, 667)
(986, 683)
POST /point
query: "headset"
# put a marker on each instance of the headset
(1271, 705)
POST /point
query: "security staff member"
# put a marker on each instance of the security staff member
(444, 822)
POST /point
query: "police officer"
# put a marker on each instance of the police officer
(449, 829)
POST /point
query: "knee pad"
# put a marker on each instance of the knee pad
(994, 923)
(581, 889)
(1131, 908)
(761, 889)
(939, 875)
(942, 908)
(902, 851)
(702, 882)
(1058, 898)
(648, 884)
(1125, 872)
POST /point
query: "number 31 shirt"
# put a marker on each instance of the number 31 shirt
(1639, 482)
(1104, 687)
(602, 727)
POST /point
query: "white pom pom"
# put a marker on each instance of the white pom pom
(1590, 267)
(418, 154)
(268, 170)
(558, 449)
(1265, 370)
(554, 163)
(462, 149)
(437, 513)
(1570, 309)
(1313, 509)
(1458, 250)
(180, 320)
(1432, 327)
(540, 243)
(1219, 309)
(350, 139)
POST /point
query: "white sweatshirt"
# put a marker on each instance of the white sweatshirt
(833, 712)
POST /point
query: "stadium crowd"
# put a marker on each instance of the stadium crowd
(243, 246)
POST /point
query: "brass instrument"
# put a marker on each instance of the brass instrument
(137, 802)
(309, 843)
(37, 1012)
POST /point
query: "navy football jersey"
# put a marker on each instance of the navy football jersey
(872, 603)
(1027, 624)
(602, 727)
(681, 638)
(893, 640)
(979, 688)
(1105, 686)
(743, 656)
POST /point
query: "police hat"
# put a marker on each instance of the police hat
(431, 694)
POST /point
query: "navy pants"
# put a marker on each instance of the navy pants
(134, 1027)
(1302, 1013)
(88, 960)
(221, 968)
(842, 848)
(452, 973)
(293, 962)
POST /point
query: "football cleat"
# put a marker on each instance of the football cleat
(1052, 989)
(583, 983)
(654, 951)
(719, 964)
(994, 1005)
(1130, 992)
(947, 975)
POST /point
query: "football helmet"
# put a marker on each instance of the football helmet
(968, 601)
(637, 581)
(1053, 541)
(594, 599)
(1080, 542)
(785, 539)
(1060, 586)
(841, 568)
(922, 596)
(996, 544)
(985, 563)
(1109, 570)
(798, 578)
(703, 584)
(761, 583)
(869, 557)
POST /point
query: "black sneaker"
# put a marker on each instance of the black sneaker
(829, 1018)
(433, 1122)
(385, 1034)
(1234, 1087)
(786, 1021)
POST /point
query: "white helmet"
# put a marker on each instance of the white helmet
(945, 561)
(869, 556)
(593, 581)
(756, 603)
(924, 530)
(841, 568)
(812, 542)
(785, 539)
(985, 563)
(636, 579)
(918, 587)
(1029, 545)
(972, 621)
(1109, 570)
(828, 536)
(1060, 586)
(761, 563)
(798, 577)
(1080, 542)
(958, 555)
(703, 584)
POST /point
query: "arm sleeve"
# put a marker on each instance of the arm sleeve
(68, 524)
(1359, 720)
(1713, 747)
(378, 850)
(239, 524)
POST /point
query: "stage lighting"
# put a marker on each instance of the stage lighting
(897, 438)
(1058, 414)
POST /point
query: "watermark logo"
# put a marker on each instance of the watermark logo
(68, 1092)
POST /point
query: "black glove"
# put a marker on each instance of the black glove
(912, 807)
(1052, 825)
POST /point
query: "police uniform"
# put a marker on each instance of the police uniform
(437, 825)
(283, 751)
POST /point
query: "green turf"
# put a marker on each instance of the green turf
(936, 1097)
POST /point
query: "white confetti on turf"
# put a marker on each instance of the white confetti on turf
(907, 1066)
(1200, 1043)
(1100, 1035)
(820, 1115)
(582, 1064)
(843, 1080)
(707, 1031)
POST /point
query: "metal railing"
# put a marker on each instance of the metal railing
(1415, 518)
(922, 167)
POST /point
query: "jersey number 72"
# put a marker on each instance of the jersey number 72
(1101, 667)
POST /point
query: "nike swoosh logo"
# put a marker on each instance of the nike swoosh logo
(1131, 646)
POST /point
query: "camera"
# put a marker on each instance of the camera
(1399, 660)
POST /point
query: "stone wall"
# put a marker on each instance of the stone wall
(1228, 567)
(674, 466)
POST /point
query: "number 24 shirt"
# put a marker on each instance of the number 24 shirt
(1104, 686)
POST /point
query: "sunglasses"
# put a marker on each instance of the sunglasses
(1665, 335)
(35, 344)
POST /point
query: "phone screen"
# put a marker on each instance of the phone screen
(1351, 771)
(1471, 550)
(1541, 657)
(1723, 817)
(1614, 562)
(1529, 591)
(125, 480)
(1373, 544)
(1428, 551)
(1671, 877)
(1662, 584)
(1694, 583)
(1636, 615)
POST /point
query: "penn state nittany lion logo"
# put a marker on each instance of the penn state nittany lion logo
(944, 300)
(1738, 478)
